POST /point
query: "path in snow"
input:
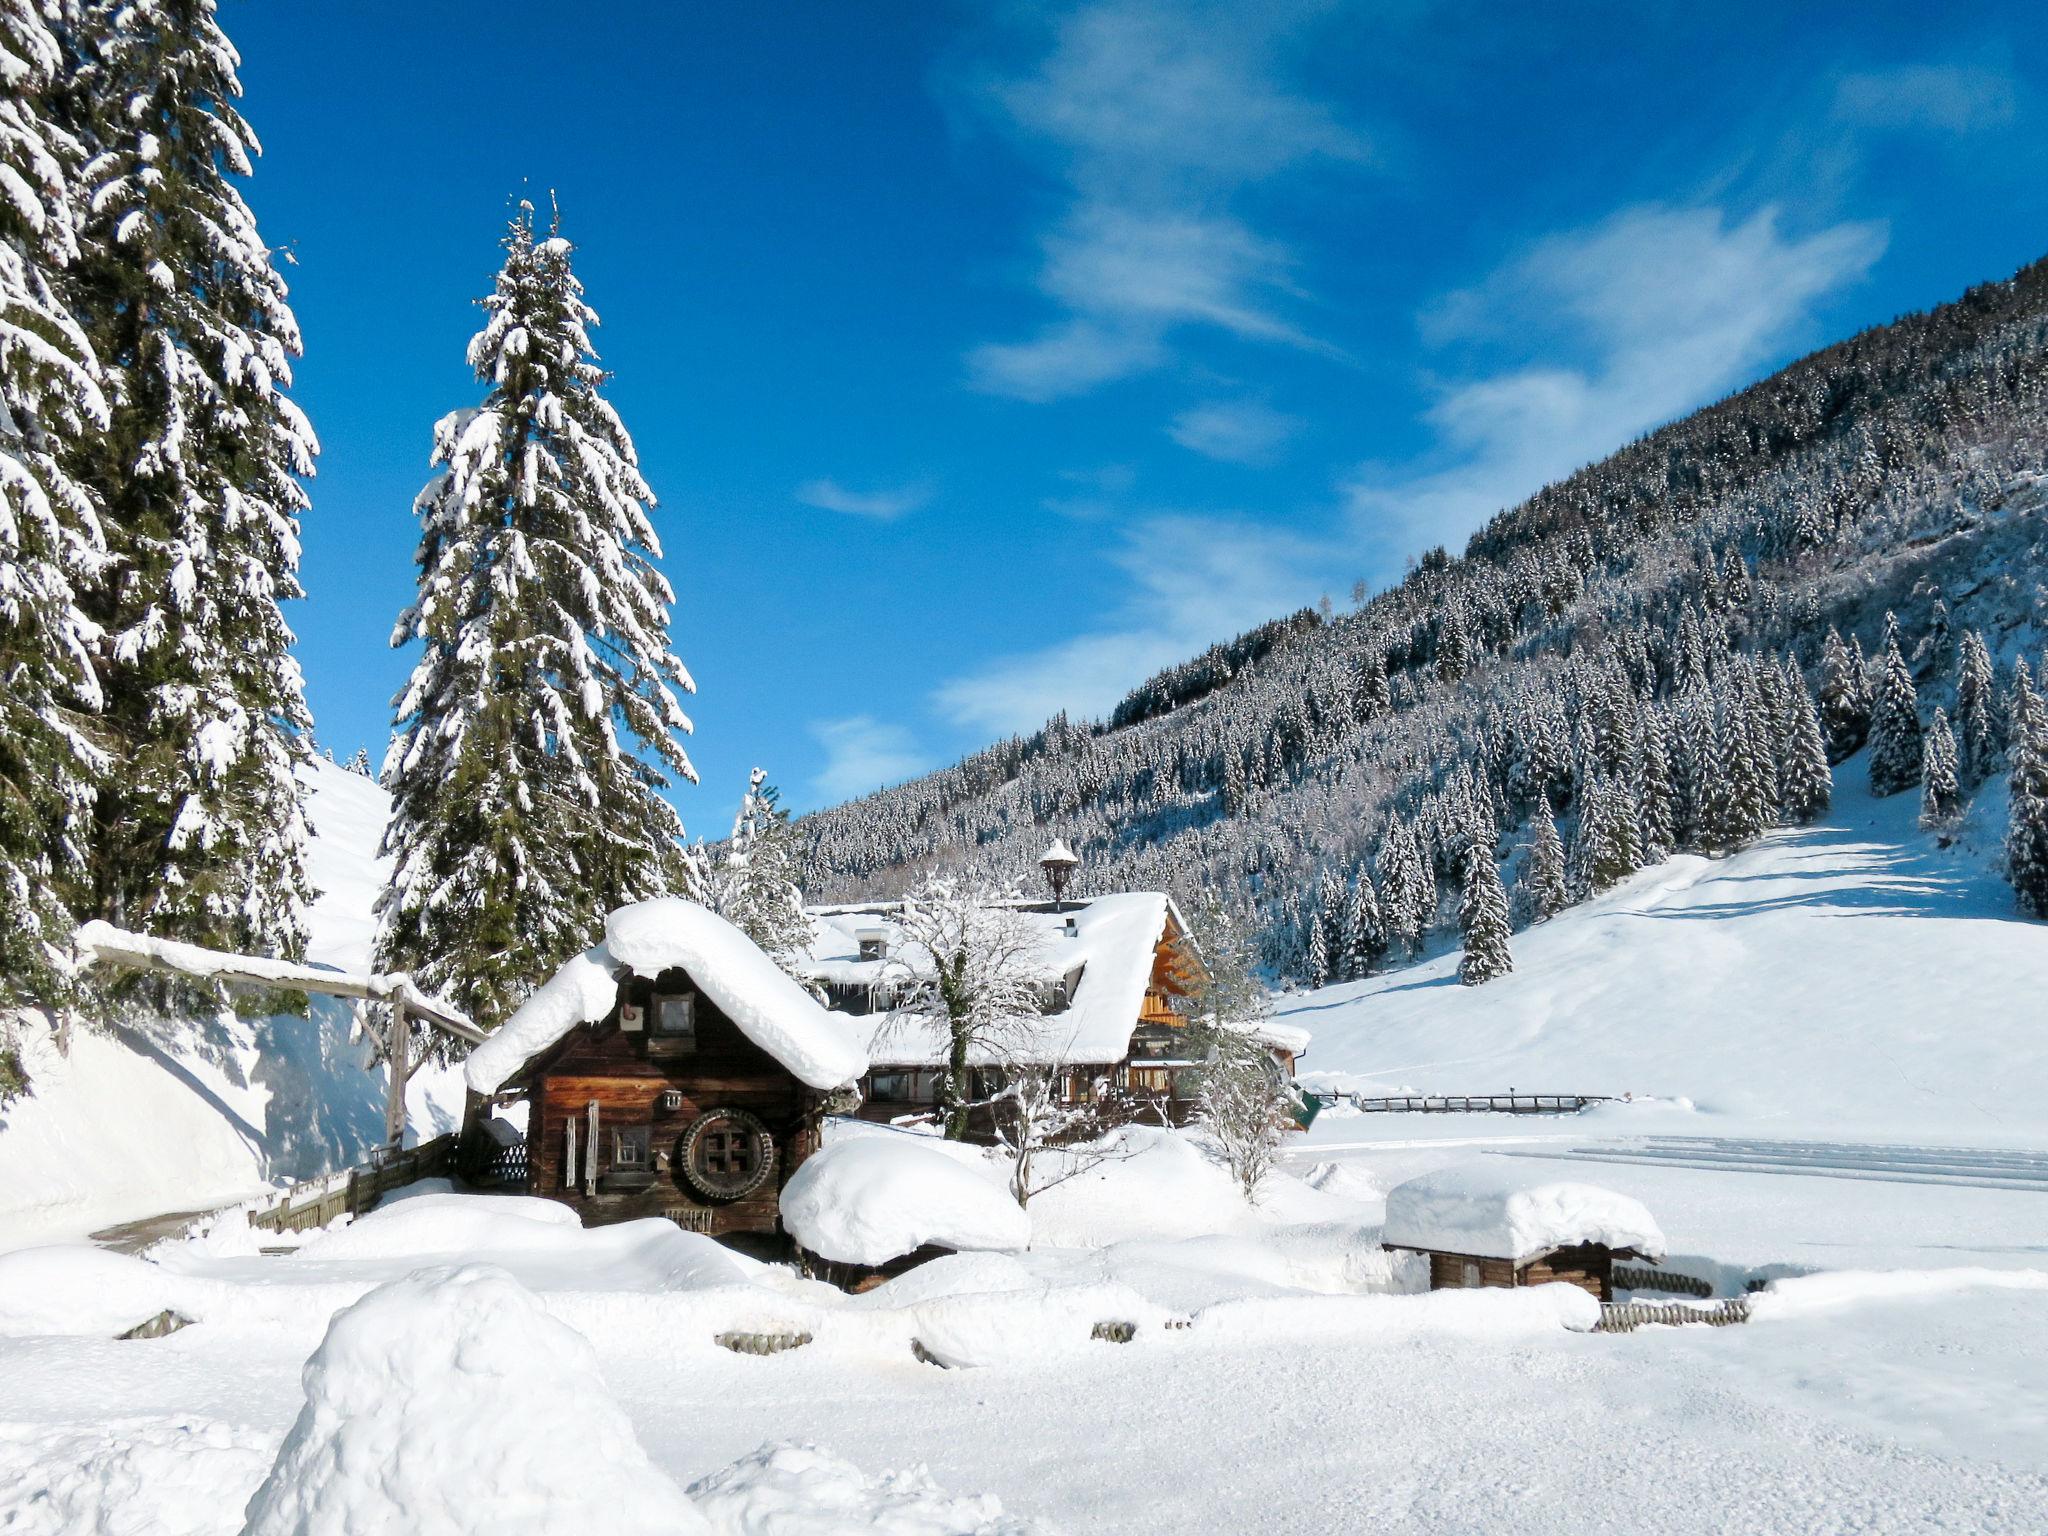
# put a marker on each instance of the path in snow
(1968, 1167)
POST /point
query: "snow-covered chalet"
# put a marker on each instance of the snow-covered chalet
(1117, 975)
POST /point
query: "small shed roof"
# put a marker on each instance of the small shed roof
(1491, 1211)
(668, 933)
(874, 1197)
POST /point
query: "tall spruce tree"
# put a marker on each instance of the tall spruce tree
(1656, 803)
(200, 834)
(1894, 722)
(1483, 920)
(527, 765)
(2026, 833)
(1543, 878)
(50, 539)
(1976, 708)
(1844, 698)
(1365, 931)
(1941, 796)
(1807, 784)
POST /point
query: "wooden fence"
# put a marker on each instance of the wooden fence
(1628, 1316)
(318, 1201)
(1481, 1104)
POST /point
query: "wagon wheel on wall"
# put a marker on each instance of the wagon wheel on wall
(726, 1154)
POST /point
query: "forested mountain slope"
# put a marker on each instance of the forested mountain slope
(1622, 650)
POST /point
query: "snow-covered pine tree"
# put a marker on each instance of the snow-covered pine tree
(1608, 851)
(1365, 932)
(201, 833)
(1330, 900)
(1894, 721)
(1976, 708)
(1543, 877)
(527, 766)
(2026, 833)
(1318, 951)
(1738, 804)
(50, 540)
(1844, 698)
(751, 879)
(1655, 799)
(1941, 796)
(1807, 784)
(1483, 920)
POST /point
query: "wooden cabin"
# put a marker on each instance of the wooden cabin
(1482, 1226)
(1120, 973)
(673, 1073)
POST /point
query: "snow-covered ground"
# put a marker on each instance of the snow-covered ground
(149, 1115)
(1839, 1055)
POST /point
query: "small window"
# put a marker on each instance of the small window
(629, 1146)
(675, 1018)
(874, 949)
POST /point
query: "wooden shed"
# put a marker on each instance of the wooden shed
(673, 1071)
(1483, 1225)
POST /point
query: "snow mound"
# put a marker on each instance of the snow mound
(875, 1198)
(168, 1476)
(1024, 1327)
(650, 937)
(451, 1403)
(74, 1289)
(1497, 1213)
(448, 1223)
(800, 1490)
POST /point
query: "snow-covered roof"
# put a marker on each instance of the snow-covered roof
(1495, 1212)
(1107, 957)
(870, 1199)
(648, 938)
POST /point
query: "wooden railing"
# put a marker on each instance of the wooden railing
(356, 1191)
(1628, 1316)
(1483, 1103)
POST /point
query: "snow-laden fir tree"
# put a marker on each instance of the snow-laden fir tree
(200, 833)
(1365, 931)
(1655, 799)
(1844, 697)
(1483, 920)
(1941, 795)
(527, 768)
(1543, 877)
(50, 540)
(1894, 721)
(1976, 708)
(751, 880)
(1807, 784)
(1318, 951)
(2026, 833)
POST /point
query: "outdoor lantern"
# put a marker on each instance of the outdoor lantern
(671, 1100)
(1059, 864)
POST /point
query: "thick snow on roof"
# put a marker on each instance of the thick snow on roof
(1498, 1213)
(1108, 957)
(648, 938)
(870, 1199)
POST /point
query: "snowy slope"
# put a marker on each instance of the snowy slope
(154, 1115)
(1848, 979)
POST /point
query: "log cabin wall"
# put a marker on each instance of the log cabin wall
(1589, 1267)
(627, 1073)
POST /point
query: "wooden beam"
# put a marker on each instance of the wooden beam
(103, 944)
(397, 1060)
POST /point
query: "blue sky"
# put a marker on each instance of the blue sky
(986, 358)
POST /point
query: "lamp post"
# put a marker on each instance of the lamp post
(1059, 864)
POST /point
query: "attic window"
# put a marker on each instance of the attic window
(675, 1017)
(874, 945)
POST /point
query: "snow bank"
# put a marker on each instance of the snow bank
(451, 1403)
(800, 1490)
(1806, 1295)
(1019, 1327)
(874, 1198)
(1497, 1213)
(73, 1289)
(177, 1476)
(648, 938)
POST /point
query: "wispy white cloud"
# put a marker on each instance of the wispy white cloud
(862, 754)
(1653, 312)
(1234, 431)
(884, 506)
(1187, 582)
(1948, 98)
(1154, 115)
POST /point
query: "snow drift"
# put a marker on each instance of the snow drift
(452, 1404)
(870, 1199)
